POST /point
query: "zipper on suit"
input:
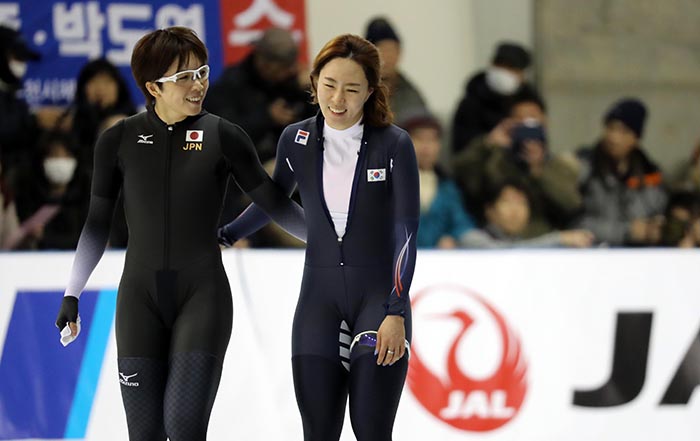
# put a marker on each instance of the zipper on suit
(356, 180)
(166, 195)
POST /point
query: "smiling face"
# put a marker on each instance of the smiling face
(342, 92)
(175, 101)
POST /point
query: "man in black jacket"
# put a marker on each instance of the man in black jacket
(262, 93)
(487, 99)
(18, 127)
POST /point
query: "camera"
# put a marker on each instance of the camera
(528, 130)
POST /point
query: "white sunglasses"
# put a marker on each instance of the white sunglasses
(187, 77)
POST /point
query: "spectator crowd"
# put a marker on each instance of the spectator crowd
(499, 185)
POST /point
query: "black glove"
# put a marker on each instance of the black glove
(223, 238)
(68, 312)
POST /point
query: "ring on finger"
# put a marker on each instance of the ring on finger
(389, 351)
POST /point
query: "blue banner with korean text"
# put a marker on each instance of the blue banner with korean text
(70, 33)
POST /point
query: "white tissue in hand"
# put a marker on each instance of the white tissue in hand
(66, 338)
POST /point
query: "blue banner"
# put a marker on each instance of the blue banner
(70, 33)
(47, 390)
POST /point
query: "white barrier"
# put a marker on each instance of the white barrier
(558, 313)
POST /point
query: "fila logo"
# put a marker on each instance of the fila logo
(376, 174)
(145, 139)
(125, 380)
(193, 140)
(302, 137)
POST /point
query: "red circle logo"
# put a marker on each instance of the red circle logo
(194, 136)
(457, 371)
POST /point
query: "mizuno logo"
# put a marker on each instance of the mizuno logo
(145, 139)
(125, 380)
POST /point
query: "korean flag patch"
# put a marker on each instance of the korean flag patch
(194, 136)
(301, 137)
(376, 174)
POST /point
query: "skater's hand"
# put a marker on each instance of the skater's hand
(68, 314)
(391, 338)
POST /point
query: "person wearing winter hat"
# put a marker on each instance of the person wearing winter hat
(489, 94)
(623, 192)
(18, 126)
(629, 111)
(404, 97)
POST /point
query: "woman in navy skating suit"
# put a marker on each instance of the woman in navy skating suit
(358, 181)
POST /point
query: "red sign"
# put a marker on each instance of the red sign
(244, 21)
(458, 399)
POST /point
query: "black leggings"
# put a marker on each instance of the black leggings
(336, 304)
(172, 328)
(322, 389)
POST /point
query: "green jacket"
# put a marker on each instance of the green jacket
(554, 196)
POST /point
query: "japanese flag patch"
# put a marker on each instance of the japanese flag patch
(376, 174)
(301, 137)
(194, 136)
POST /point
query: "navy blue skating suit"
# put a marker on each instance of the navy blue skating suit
(350, 283)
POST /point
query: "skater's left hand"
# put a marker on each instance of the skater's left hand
(391, 338)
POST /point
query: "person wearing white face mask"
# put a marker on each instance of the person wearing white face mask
(488, 94)
(52, 195)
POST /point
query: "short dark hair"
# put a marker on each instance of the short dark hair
(376, 110)
(379, 29)
(420, 119)
(155, 52)
(527, 95)
(512, 55)
(494, 188)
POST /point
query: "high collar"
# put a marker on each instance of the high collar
(351, 132)
(320, 120)
(154, 118)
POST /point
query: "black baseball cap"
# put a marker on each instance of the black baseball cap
(14, 44)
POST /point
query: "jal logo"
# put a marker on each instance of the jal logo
(628, 373)
(467, 367)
